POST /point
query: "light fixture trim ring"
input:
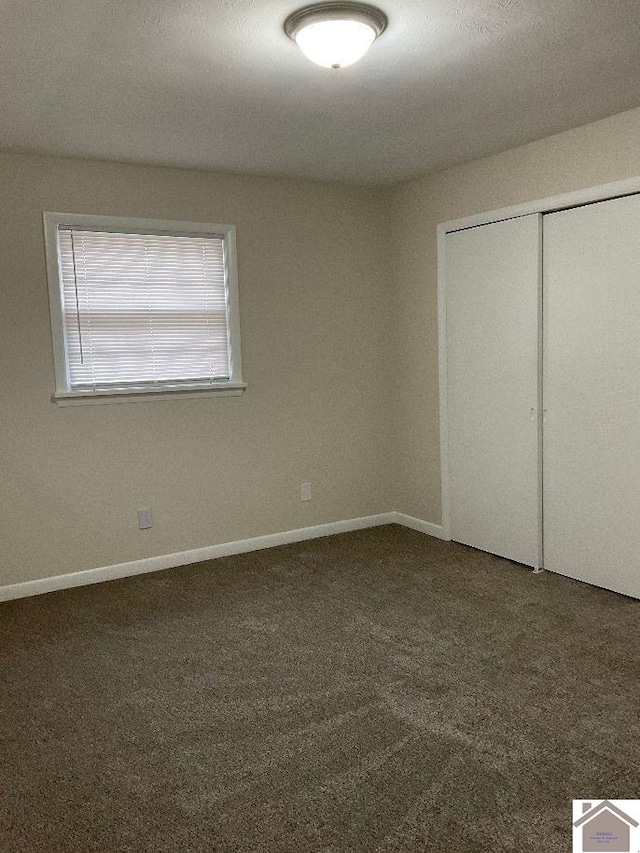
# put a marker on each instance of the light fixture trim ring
(336, 11)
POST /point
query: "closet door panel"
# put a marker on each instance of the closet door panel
(592, 393)
(493, 285)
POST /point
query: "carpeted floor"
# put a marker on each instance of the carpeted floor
(373, 691)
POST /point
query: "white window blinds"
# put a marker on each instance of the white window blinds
(143, 310)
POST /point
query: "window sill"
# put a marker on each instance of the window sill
(93, 398)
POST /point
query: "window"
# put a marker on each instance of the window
(142, 307)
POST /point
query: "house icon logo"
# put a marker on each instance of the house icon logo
(603, 826)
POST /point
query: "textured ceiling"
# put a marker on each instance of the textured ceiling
(218, 84)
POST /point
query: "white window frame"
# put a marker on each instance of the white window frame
(64, 395)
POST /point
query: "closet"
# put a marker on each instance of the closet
(543, 390)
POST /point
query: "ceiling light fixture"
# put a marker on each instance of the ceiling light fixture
(335, 35)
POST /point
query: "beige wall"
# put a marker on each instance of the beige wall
(598, 153)
(342, 389)
(314, 297)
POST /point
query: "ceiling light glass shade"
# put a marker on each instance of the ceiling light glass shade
(335, 44)
(335, 34)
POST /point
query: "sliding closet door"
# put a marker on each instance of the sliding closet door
(493, 287)
(592, 393)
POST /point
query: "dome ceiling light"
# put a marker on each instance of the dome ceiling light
(335, 35)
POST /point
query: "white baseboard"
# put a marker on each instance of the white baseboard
(427, 527)
(210, 552)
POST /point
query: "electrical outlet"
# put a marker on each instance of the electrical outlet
(145, 518)
(305, 492)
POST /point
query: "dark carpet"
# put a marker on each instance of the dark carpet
(373, 691)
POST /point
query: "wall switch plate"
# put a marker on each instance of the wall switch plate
(145, 518)
(305, 492)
